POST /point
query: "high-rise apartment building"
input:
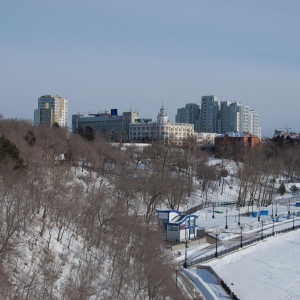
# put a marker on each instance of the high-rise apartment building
(210, 114)
(189, 114)
(51, 109)
(230, 115)
(253, 120)
(217, 116)
(238, 117)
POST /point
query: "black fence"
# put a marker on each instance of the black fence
(203, 205)
(228, 290)
(211, 204)
(238, 246)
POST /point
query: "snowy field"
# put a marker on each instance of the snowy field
(268, 270)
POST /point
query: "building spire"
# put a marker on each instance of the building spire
(162, 116)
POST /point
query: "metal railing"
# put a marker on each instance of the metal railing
(203, 205)
(238, 247)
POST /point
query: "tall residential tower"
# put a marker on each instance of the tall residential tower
(217, 116)
(210, 114)
(189, 114)
(51, 109)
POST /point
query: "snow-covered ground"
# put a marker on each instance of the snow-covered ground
(267, 270)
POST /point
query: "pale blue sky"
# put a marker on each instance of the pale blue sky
(137, 54)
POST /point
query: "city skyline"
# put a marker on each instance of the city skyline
(134, 55)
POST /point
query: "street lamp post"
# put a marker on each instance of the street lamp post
(258, 214)
(289, 211)
(216, 234)
(276, 210)
(241, 226)
(262, 228)
(213, 215)
(272, 210)
(239, 222)
(248, 212)
(226, 211)
(273, 219)
(293, 213)
(216, 254)
(185, 257)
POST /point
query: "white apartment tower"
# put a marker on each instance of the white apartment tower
(254, 128)
(189, 114)
(51, 109)
(221, 116)
(231, 114)
(238, 117)
(210, 114)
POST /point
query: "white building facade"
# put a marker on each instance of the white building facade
(227, 116)
(144, 130)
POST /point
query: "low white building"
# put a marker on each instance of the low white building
(144, 130)
(206, 139)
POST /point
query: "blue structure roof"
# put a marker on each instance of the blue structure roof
(182, 218)
(168, 210)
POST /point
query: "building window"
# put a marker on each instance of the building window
(173, 227)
